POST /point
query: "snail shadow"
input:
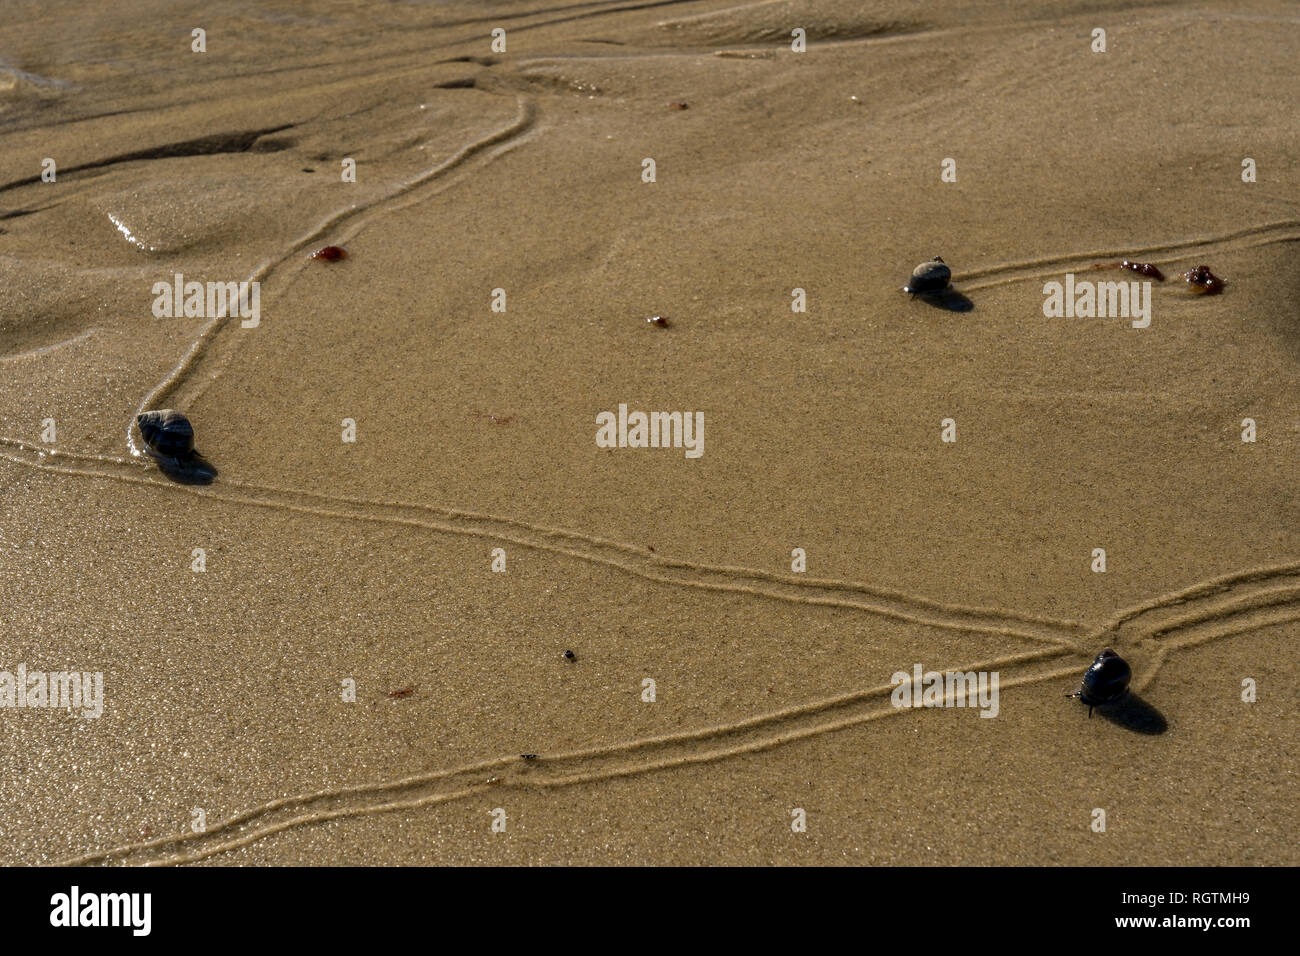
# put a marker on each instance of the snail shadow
(949, 299)
(1135, 714)
(192, 469)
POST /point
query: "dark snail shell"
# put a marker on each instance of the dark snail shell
(932, 276)
(166, 433)
(1105, 681)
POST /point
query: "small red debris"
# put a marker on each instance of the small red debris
(330, 253)
(679, 105)
(1145, 268)
(404, 692)
(1204, 282)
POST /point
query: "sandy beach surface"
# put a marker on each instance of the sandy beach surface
(994, 135)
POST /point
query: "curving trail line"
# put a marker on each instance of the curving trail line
(630, 559)
(1225, 606)
(553, 770)
(506, 138)
(687, 748)
(1215, 609)
(1287, 230)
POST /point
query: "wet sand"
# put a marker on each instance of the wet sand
(370, 561)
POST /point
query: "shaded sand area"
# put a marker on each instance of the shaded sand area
(370, 561)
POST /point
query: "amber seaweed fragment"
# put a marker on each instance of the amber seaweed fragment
(1143, 268)
(1204, 282)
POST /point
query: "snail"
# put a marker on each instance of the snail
(932, 276)
(1105, 681)
(166, 433)
(169, 440)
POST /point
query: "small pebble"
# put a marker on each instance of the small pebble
(330, 253)
(659, 320)
(570, 656)
(679, 105)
